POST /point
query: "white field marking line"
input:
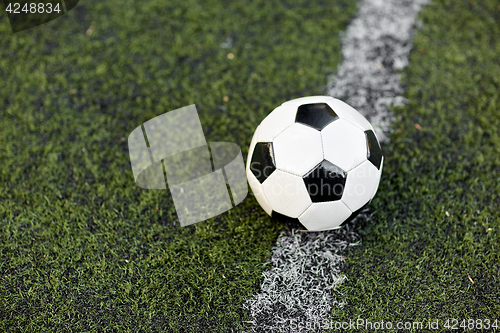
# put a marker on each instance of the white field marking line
(299, 289)
(376, 46)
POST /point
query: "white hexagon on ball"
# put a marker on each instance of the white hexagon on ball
(275, 123)
(325, 215)
(258, 192)
(360, 186)
(347, 112)
(298, 149)
(286, 193)
(344, 144)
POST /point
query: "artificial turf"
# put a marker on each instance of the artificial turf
(432, 247)
(81, 247)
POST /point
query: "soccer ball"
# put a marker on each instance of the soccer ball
(315, 160)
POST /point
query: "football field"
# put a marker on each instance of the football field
(83, 249)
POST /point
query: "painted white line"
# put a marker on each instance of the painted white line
(298, 291)
(376, 46)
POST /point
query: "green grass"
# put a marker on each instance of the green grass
(436, 217)
(81, 247)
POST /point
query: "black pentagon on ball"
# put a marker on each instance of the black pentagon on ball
(326, 182)
(262, 164)
(316, 115)
(374, 152)
(287, 220)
